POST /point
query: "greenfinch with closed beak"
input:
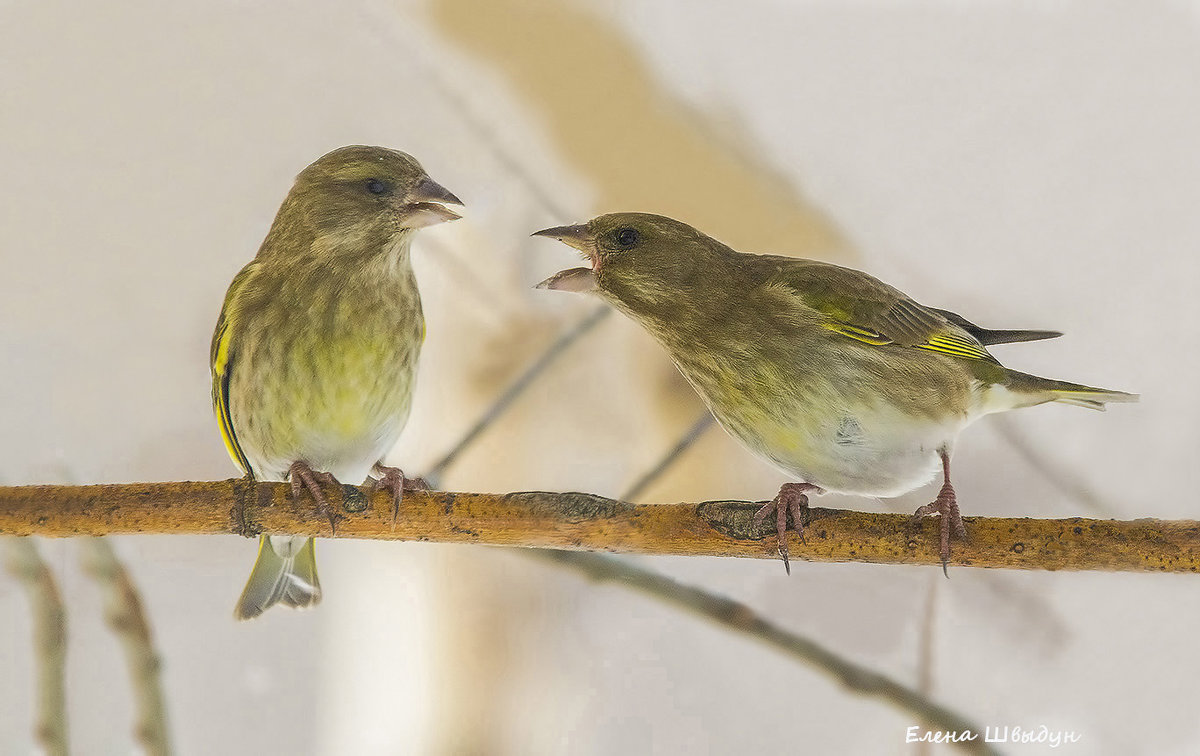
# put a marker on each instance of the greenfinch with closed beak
(315, 351)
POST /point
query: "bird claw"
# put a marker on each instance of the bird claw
(393, 479)
(792, 497)
(302, 476)
(946, 507)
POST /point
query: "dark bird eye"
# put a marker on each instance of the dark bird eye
(375, 186)
(627, 237)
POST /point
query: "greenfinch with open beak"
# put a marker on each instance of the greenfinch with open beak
(830, 374)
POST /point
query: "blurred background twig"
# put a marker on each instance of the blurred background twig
(49, 642)
(689, 437)
(123, 610)
(740, 618)
(515, 389)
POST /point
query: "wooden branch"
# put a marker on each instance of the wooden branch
(49, 643)
(592, 523)
(123, 611)
(742, 619)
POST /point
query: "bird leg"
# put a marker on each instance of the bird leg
(945, 505)
(792, 497)
(392, 478)
(303, 476)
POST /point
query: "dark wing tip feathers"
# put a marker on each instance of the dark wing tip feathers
(989, 336)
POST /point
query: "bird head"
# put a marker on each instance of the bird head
(644, 263)
(359, 197)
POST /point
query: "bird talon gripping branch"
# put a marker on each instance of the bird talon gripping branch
(301, 477)
(791, 499)
(945, 506)
(393, 479)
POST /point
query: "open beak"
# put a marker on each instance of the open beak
(573, 236)
(423, 205)
(572, 279)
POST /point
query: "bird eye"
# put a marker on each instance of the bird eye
(627, 237)
(375, 186)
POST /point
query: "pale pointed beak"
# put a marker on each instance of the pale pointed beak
(573, 279)
(422, 205)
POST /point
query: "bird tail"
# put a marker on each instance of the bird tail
(285, 572)
(1030, 390)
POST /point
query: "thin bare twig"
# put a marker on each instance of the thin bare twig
(690, 436)
(483, 131)
(123, 610)
(740, 618)
(1066, 481)
(49, 642)
(926, 637)
(515, 389)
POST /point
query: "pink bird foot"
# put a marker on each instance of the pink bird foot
(792, 497)
(302, 476)
(946, 506)
(392, 479)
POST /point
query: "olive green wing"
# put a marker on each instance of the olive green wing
(222, 357)
(863, 308)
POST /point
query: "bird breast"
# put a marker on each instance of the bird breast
(331, 384)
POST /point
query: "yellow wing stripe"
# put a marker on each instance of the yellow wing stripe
(858, 334)
(945, 343)
(221, 374)
(956, 346)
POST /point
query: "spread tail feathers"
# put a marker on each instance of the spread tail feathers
(1038, 390)
(285, 571)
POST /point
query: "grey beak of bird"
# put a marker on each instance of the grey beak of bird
(572, 236)
(573, 279)
(422, 206)
(431, 191)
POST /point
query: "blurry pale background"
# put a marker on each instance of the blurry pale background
(1027, 166)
